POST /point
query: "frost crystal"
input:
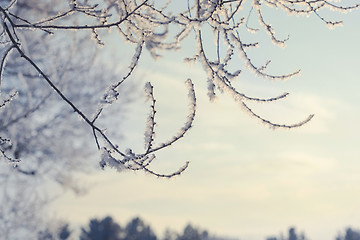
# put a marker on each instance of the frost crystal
(108, 160)
(148, 91)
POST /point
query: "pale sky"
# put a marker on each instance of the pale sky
(244, 179)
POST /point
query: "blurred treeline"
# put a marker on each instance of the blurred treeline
(136, 229)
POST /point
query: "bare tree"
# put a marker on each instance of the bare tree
(156, 26)
(45, 134)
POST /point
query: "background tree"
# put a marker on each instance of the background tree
(170, 235)
(61, 233)
(136, 229)
(292, 235)
(105, 229)
(108, 229)
(44, 132)
(193, 233)
(350, 234)
(64, 232)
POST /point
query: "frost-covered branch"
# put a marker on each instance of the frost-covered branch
(133, 161)
(152, 26)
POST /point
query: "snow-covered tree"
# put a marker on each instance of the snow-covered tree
(45, 134)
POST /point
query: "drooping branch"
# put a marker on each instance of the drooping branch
(133, 161)
(154, 28)
(129, 160)
(223, 83)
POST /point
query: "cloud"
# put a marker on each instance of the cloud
(307, 162)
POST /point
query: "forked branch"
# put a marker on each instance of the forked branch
(146, 25)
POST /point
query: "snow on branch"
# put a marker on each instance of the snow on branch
(11, 96)
(155, 27)
(3, 57)
(4, 145)
(135, 162)
(272, 124)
